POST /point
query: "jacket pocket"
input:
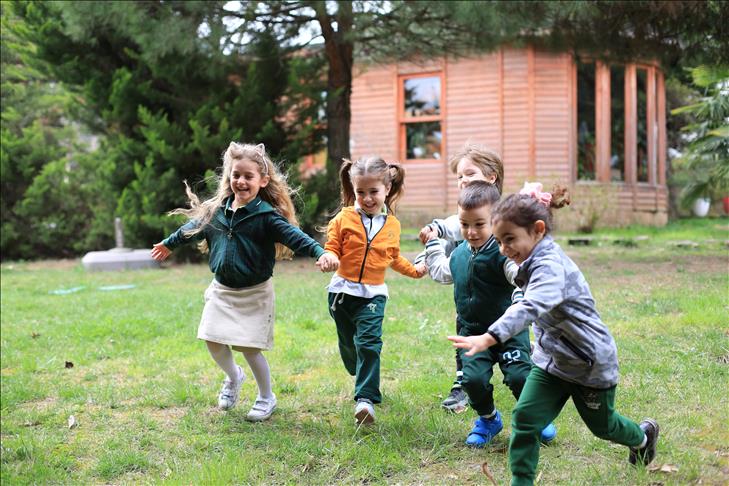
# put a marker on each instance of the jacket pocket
(577, 351)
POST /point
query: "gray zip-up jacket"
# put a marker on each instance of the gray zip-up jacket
(572, 342)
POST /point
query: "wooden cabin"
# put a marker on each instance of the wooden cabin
(599, 129)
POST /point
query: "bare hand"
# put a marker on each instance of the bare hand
(421, 269)
(328, 262)
(426, 234)
(160, 252)
(474, 344)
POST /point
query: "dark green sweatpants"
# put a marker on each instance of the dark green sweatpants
(359, 329)
(542, 399)
(513, 359)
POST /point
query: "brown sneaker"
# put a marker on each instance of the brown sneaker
(646, 454)
(364, 412)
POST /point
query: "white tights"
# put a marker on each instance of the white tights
(222, 355)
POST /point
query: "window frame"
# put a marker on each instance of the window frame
(655, 132)
(403, 120)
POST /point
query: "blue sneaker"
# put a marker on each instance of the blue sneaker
(484, 430)
(548, 434)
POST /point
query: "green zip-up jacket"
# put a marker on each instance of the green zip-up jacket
(482, 290)
(241, 243)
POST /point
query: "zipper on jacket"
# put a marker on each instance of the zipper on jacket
(367, 248)
(471, 263)
(230, 226)
(576, 350)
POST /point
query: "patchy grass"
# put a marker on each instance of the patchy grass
(143, 389)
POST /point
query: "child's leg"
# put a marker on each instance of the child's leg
(345, 331)
(541, 400)
(597, 409)
(259, 367)
(368, 316)
(477, 373)
(515, 362)
(224, 357)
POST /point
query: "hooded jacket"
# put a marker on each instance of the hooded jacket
(572, 342)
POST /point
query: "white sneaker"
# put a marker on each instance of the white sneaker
(262, 409)
(364, 412)
(228, 396)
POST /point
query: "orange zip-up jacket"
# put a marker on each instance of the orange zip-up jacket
(361, 262)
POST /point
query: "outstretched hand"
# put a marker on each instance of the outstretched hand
(328, 262)
(160, 252)
(421, 269)
(474, 344)
(426, 234)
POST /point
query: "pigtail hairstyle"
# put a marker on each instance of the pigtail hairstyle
(345, 179)
(277, 192)
(397, 181)
(529, 205)
(484, 158)
(389, 173)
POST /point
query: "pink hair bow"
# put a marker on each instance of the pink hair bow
(534, 189)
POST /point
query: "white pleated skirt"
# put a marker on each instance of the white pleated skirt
(238, 317)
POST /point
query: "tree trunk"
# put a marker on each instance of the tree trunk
(339, 52)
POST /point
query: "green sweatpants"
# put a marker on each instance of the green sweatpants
(542, 399)
(513, 359)
(359, 329)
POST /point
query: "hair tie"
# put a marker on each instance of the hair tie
(534, 189)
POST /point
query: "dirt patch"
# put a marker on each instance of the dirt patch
(167, 416)
(42, 405)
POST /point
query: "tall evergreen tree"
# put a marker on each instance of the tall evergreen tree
(167, 94)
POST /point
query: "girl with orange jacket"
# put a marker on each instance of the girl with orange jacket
(365, 237)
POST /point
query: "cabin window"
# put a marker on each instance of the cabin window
(421, 117)
(617, 129)
(642, 125)
(586, 162)
(617, 123)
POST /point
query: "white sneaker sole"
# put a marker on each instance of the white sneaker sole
(260, 418)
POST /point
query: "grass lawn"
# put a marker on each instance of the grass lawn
(143, 389)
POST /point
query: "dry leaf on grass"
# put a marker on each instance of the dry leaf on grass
(72, 422)
(487, 472)
(664, 468)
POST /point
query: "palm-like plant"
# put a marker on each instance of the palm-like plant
(706, 157)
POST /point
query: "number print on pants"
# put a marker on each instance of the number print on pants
(511, 356)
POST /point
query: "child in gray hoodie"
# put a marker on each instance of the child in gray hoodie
(574, 354)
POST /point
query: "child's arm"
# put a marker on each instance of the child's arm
(163, 249)
(510, 271)
(295, 239)
(474, 344)
(333, 244)
(438, 263)
(449, 229)
(402, 265)
(544, 292)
